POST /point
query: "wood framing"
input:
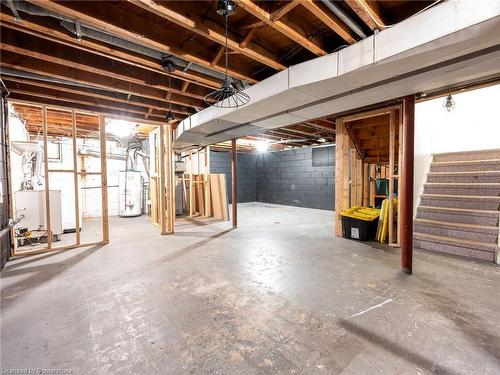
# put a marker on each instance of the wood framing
(330, 20)
(163, 204)
(341, 174)
(46, 175)
(72, 115)
(104, 180)
(209, 31)
(280, 26)
(392, 152)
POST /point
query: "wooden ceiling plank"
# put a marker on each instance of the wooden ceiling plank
(255, 10)
(334, 24)
(211, 32)
(130, 35)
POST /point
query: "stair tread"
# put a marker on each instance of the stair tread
(492, 197)
(464, 210)
(458, 242)
(463, 184)
(462, 173)
(461, 225)
(471, 152)
(466, 161)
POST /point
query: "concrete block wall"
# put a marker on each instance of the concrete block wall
(291, 178)
(299, 177)
(220, 162)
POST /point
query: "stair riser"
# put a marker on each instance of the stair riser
(457, 190)
(460, 218)
(463, 179)
(455, 250)
(465, 167)
(486, 205)
(474, 155)
(488, 236)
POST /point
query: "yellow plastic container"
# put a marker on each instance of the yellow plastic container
(361, 213)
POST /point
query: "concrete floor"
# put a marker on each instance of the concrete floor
(280, 294)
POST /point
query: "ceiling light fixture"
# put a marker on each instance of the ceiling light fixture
(169, 67)
(262, 146)
(228, 96)
(321, 140)
(449, 103)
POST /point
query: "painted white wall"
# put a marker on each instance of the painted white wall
(474, 124)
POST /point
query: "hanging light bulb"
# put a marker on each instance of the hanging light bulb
(170, 116)
(228, 96)
(169, 67)
(449, 103)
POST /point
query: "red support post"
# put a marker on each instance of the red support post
(234, 183)
(406, 193)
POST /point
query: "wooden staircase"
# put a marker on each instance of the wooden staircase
(459, 211)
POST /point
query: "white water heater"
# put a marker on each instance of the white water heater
(130, 193)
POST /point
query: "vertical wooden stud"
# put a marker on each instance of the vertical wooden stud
(163, 219)
(104, 180)
(208, 200)
(47, 187)
(75, 178)
(365, 184)
(170, 181)
(341, 173)
(372, 185)
(392, 152)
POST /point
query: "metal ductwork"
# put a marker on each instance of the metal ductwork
(339, 12)
(89, 32)
(427, 52)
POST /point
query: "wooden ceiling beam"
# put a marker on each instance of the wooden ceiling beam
(101, 49)
(335, 24)
(248, 37)
(62, 98)
(276, 15)
(211, 31)
(367, 14)
(290, 32)
(217, 56)
(123, 32)
(53, 53)
(75, 76)
(115, 114)
(92, 94)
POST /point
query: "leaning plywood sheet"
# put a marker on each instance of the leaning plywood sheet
(219, 196)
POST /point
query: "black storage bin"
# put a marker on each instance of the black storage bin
(359, 229)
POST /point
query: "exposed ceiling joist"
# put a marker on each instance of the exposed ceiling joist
(329, 20)
(276, 15)
(122, 32)
(12, 81)
(364, 10)
(101, 49)
(211, 31)
(280, 26)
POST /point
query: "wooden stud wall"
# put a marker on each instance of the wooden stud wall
(72, 115)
